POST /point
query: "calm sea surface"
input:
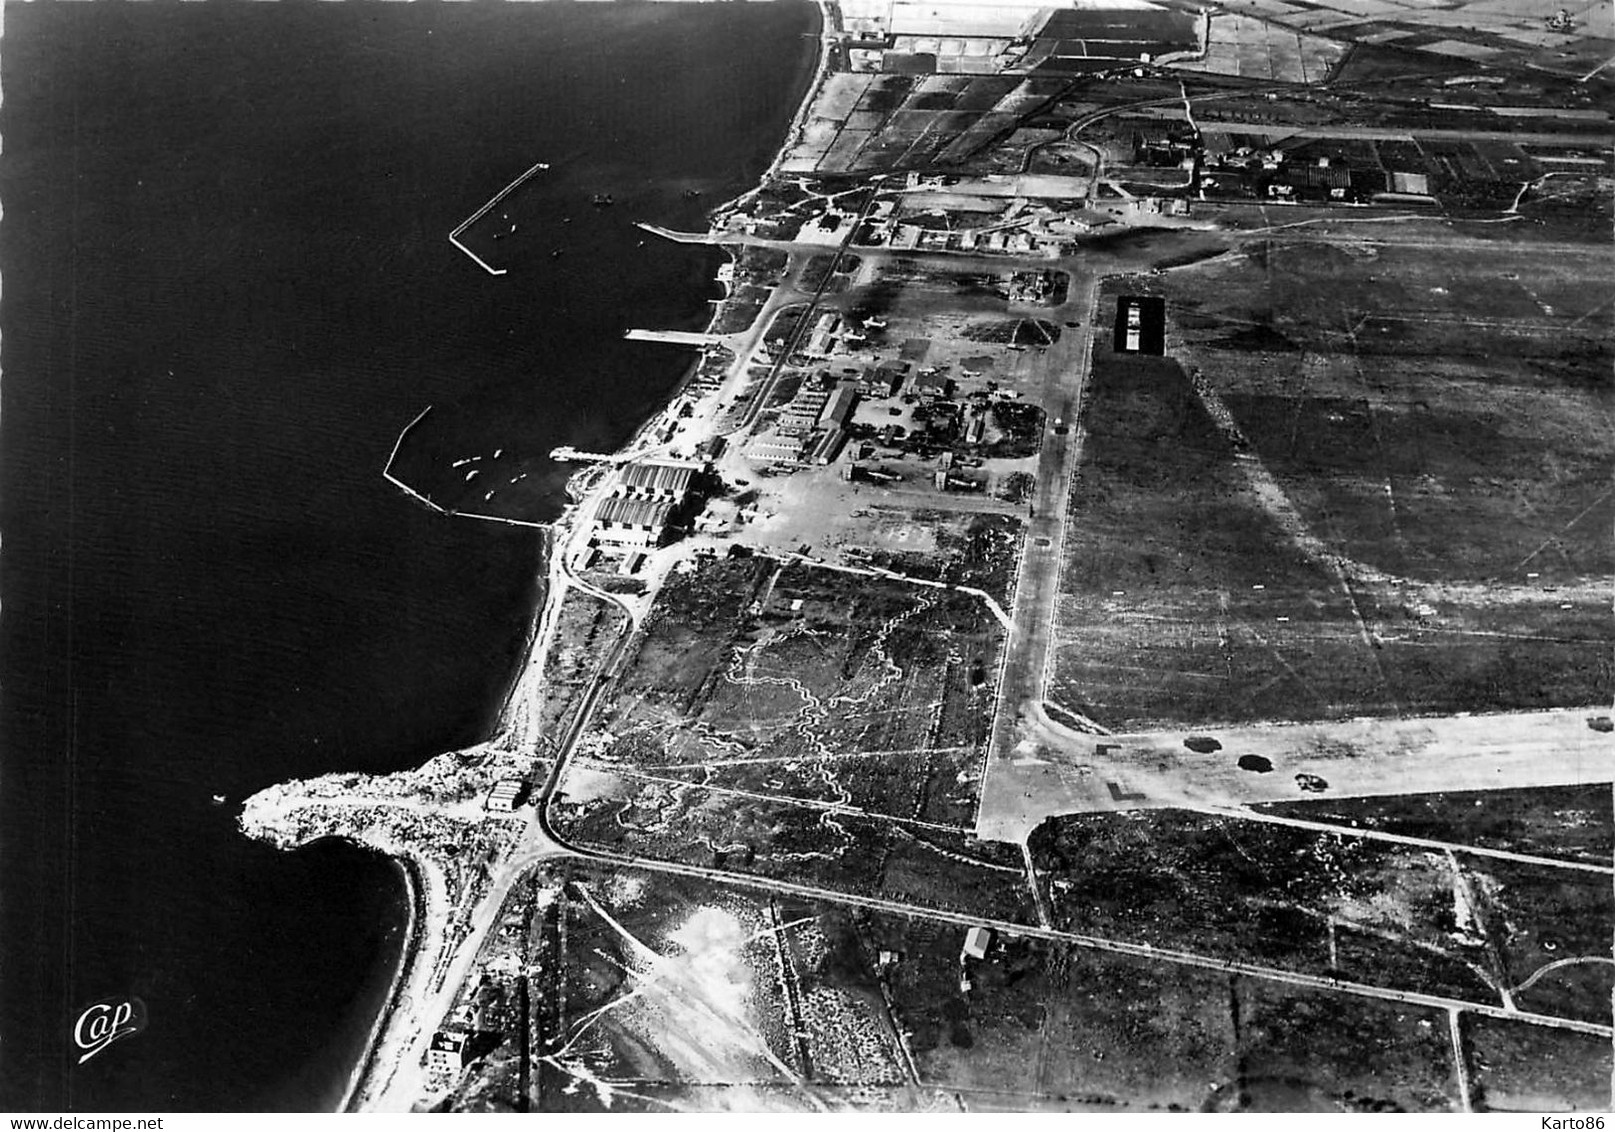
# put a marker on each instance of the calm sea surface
(227, 286)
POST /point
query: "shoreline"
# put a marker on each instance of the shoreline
(407, 955)
(812, 83)
(393, 1027)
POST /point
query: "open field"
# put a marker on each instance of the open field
(1572, 823)
(1295, 899)
(657, 985)
(1539, 917)
(585, 626)
(1307, 1052)
(907, 527)
(1160, 619)
(787, 720)
(904, 122)
(1442, 416)
(1371, 480)
(1532, 1069)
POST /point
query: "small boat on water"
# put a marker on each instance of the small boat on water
(218, 799)
(601, 200)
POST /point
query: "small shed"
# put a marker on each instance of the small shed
(504, 796)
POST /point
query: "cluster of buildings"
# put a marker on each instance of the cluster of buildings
(1275, 174)
(1015, 239)
(1220, 163)
(1028, 230)
(642, 504)
(828, 332)
(812, 428)
(1024, 229)
(1034, 286)
(1165, 144)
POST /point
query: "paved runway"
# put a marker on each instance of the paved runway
(1052, 770)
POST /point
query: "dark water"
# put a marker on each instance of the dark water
(227, 285)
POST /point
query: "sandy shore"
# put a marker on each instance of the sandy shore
(406, 962)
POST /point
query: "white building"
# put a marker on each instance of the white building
(822, 342)
(773, 448)
(502, 798)
(447, 1053)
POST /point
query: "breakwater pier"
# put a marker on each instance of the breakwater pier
(454, 236)
(420, 497)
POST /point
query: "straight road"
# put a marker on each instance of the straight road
(1298, 231)
(760, 400)
(1176, 956)
(1597, 138)
(1028, 652)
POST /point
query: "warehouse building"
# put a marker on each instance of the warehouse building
(822, 342)
(776, 448)
(838, 410)
(505, 795)
(669, 482)
(884, 380)
(801, 416)
(829, 446)
(626, 521)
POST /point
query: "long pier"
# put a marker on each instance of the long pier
(676, 236)
(454, 236)
(566, 454)
(676, 337)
